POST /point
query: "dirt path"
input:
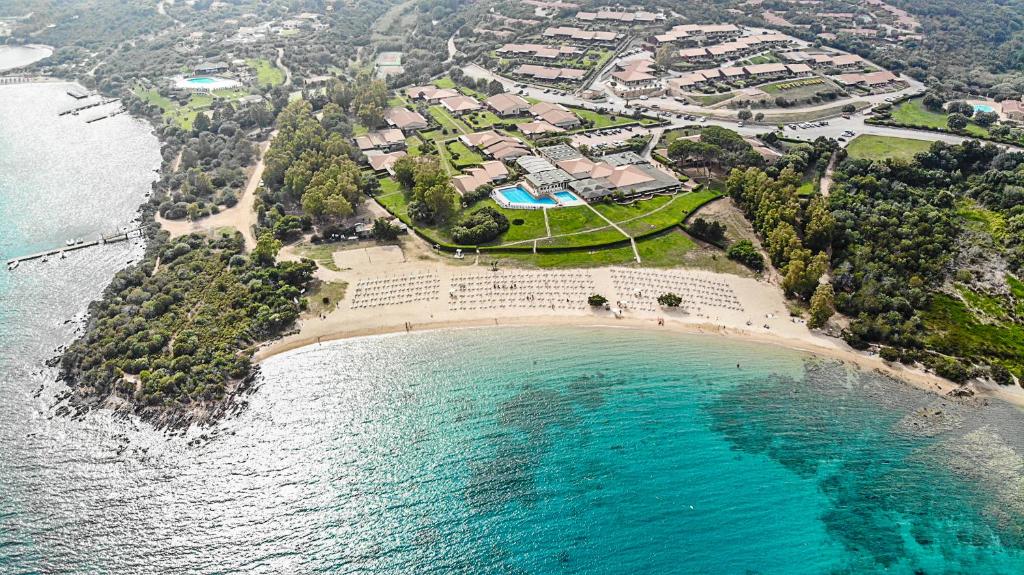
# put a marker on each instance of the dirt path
(241, 217)
(280, 64)
(724, 210)
(826, 180)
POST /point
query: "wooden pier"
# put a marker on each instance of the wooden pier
(117, 112)
(87, 106)
(122, 237)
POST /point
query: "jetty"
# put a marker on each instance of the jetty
(105, 116)
(121, 237)
(78, 109)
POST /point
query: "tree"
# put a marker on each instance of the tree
(849, 108)
(384, 231)
(201, 123)
(666, 56)
(956, 121)
(713, 232)
(822, 305)
(759, 116)
(986, 119)
(933, 102)
(267, 246)
(744, 115)
(597, 300)
(405, 171)
(745, 253)
(669, 300)
(960, 107)
(495, 87)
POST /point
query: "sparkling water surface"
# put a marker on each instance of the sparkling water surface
(518, 450)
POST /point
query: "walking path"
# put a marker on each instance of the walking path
(241, 216)
(632, 242)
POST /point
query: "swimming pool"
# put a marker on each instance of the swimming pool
(518, 197)
(983, 108)
(205, 83)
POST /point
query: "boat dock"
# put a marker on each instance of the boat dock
(122, 237)
(105, 116)
(78, 94)
(87, 106)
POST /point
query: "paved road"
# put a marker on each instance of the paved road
(834, 129)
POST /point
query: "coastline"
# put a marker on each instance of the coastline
(915, 377)
(759, 301)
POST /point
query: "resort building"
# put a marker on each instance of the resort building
(874, 80)
(534, 164)
(632, 83)
(430, 93)
(506, 105)
(578, 35)
(562, 168)
(640, 17)
(386, 140)
(486, 173)
(495, 145)
(547, 182)
(547, 73)
(210, 68)
(559, 152)
(1013, 110)
(539, 51)
(405, 120)
(538, 128)
(698, 32)
(460, 104)
(384, 163)
(554, 114)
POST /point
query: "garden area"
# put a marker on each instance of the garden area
(870, 147)
(913, 113)
(567, 227)
(267, 74)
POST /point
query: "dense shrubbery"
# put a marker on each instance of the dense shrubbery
(173, 335)
(745, 253)
(480, 227)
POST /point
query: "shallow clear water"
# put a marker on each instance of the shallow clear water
(12, 57)
(476, 451)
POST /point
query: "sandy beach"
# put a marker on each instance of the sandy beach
(391, 290)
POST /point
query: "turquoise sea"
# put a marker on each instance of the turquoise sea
(516, 450)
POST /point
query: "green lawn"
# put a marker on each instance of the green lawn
(182, 115)
(467, 157)
(446, 120)
(267, 74)
(870, 147)
(913, 113)
(601, 120)
(483, 119)
(412, 145)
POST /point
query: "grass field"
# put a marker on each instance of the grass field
(466, 157)
(913, 113)
(182, 115)
(267, 74)
(601, 120)
(870, 147)
(788, 87)
(446, 120)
